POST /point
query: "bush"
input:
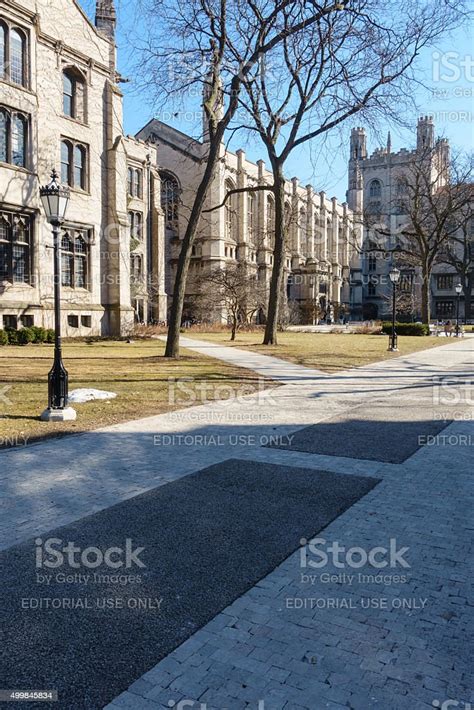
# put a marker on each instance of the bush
(49, 335)
(39, 334)
(3, 338)
(25, 336)
(406, 329)
(12, 334)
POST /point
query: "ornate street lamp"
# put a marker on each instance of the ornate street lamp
(394, 275)
(55, 199)
(458, 289)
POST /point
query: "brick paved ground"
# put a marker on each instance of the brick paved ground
(296, 639)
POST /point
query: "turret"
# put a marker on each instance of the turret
(425, 133)
(106, 18)
(358, 144)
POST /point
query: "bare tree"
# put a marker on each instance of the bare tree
(458, 252)
(231, 292)
(214, 44)
(435, 198)
(358, 57)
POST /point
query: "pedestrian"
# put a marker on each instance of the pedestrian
(448, 329)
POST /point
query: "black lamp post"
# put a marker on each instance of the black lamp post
(394, 275)
(458, 289)
(55, 199)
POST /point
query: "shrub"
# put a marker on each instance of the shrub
(49, 335)
(38, 333)
(12, 334)
(25, 336)
(3, 338)
(407, 329)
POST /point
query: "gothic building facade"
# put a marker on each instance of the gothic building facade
(321, 230)
(378, 189)
(61, 106)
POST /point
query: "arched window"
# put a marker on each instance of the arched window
(136, 226)
(68, 95)
(74, 92)
(80, 167)
(3, 49)
(402, 186)
(3, 136)
(17, 57)
(170, 203)
(375, 189)
(19, 141)
(74, 164)
(230, 213)
(13, 138)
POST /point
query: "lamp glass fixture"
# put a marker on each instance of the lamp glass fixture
(394, 275)
(55, 199)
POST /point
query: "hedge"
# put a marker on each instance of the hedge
(35, 334)
(406, 328)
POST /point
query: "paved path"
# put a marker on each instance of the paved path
(296, 641)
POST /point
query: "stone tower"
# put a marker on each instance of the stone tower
(425, 133)
(358, 153)
(106, 18)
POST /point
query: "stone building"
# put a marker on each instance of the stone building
(61, 106)
(377, 186)
(321, 229)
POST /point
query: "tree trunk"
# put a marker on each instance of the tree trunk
(274, 299)
(179, 291)
(425, 296)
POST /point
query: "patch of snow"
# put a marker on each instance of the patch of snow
(80, 396)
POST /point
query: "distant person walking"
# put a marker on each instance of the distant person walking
(448, 329)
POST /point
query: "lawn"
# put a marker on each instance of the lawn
(137, 372)
(329, 352)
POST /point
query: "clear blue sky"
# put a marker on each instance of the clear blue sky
(447, 71)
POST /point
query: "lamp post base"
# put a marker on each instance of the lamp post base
(68, 414)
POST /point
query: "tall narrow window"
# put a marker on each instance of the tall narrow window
(17, 57)
(66, 163)
(3, 49)
(73, 94)
(67, 260)
(68, 95)
(80, 262)
(79, 167)
(170, 203)
(271, 222)
(230, 213)
(3, 136)
(19, 141)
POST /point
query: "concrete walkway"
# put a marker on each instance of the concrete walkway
(299, 639)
